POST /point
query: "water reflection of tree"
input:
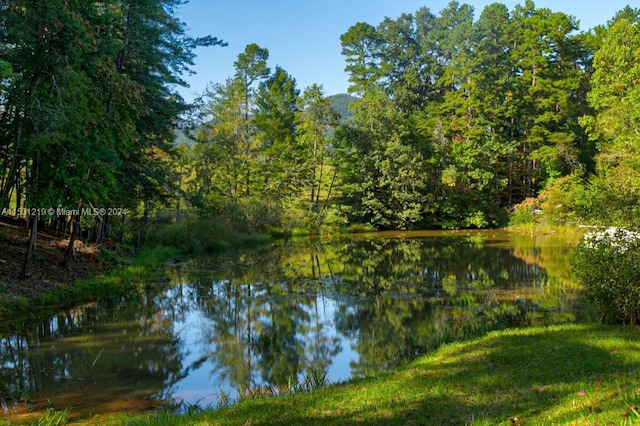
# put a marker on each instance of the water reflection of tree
(291, 341)
(554, 254)
(111, 355)
(263, 319)
(260, 330)
(408, 296)
(395, 298)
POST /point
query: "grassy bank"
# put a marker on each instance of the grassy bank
(571, 374)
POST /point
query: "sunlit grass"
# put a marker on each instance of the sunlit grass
(571, 374)
(54, 418)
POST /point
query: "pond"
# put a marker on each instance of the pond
(289, 317)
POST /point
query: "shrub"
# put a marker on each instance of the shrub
(603, 200)
(556, 205)
(558, 201)
(253, 215)
(527, 212)
(608, 265)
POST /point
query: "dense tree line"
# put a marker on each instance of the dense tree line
(488, 109)
(262, 157)
(458, 120)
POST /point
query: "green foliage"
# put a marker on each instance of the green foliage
(408, 72)
(225, 150)
(379, 170)
(251, 215)
(359, 46)
(5, 69)
(608, 265)
(494, 103)
(248, 150)
(151, 257)
(263, 151)
(9, 392)
(312, 380)
(199, 236)
(558, 204)
(251, 66)
(526, 212)
(559, 200)
(54, 417)
(335, 218)
(612, 195)
(603, 202)
(317, 119)
(282, 155)
(90, 105)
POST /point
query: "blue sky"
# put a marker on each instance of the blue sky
(303, 36)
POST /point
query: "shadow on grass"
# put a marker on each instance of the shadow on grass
(537, 376)
(516, 376)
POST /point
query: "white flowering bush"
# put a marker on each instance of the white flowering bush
(608, 265)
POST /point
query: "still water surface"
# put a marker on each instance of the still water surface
(206, 331)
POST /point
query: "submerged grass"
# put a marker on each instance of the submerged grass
(572, 374)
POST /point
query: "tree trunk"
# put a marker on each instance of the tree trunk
(9, 179)
(72, 237)
(313, 171)
(18, 193)
(31, 245)
(322, 212)
(102, 229)
(124, 227)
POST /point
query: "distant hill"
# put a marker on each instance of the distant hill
(340, 103)
(185, 136)
(182, 138)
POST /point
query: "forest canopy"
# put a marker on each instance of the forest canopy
(456, 120)
(453, 120)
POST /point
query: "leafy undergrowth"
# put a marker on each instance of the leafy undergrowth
(572, 374)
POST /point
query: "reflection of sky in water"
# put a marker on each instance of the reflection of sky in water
(197, 387)
(204, 386)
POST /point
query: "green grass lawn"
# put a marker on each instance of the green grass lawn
(574, 374)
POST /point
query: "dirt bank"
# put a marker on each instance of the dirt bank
(45, 271)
